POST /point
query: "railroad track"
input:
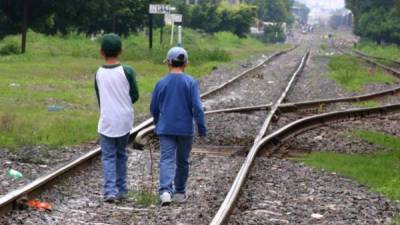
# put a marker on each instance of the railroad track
(358, 52)
(263, 143)
(271, 143)
(371, 60)
(12, 200)
(229, 202)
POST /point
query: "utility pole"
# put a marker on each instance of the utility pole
(24, 27)
(150, 31)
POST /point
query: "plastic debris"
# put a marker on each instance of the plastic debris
(38, 205)
(54, 108)
(14, 174)
(318, 138)
(317, 216)
(13, 85)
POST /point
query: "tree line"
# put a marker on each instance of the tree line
(129, 16)
(377, 20)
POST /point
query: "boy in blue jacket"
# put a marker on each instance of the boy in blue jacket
(174, 105)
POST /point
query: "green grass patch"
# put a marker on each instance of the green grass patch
(384, 51)
(349, 72)
(366, 104)
(59, 70)
(380, 171)
(397, 220)
(144, 198)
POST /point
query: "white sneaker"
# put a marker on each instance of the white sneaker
(165, 198)
(180, 198)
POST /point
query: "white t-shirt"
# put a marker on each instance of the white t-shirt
(116, 110)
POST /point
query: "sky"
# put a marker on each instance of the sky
(322, 9)
(328, 4)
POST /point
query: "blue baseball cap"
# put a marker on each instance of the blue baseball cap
(177, 54)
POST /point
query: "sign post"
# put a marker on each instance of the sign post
(179, 35)
(171, 19)
(156, 9)
(150, 31)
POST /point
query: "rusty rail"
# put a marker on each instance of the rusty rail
(371, 61)
(230, 200)
(290, 107)
(280, 135)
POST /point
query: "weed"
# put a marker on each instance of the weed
(144, 198)
(385, 51)
(10, 48)
(349, 72)
(366, 104)
(379, 170)
(7, 122)
(396, 220)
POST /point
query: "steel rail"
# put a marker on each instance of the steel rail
(369, 60)
(375, 57)
(227, 206)
(273, 56)
(278, 136)
(304, 124)
(290, 107)
(8, 202)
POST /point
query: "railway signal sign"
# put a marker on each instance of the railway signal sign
(157, 9)
(172, 18)
(160, 9)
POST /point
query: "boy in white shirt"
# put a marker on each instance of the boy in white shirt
(116, 91)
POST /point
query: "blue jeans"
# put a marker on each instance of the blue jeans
(174, 163)
(114, 161)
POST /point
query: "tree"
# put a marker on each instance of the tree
(278, 11)
(205, 17)
(273, 34)
(93, 16)
(237, 19)
(24, 14)
(376, 20)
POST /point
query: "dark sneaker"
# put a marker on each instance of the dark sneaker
(180, 198)
(122, 197)
(165, 199)
(109, 199)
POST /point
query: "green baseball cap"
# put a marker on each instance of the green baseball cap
(111, 44)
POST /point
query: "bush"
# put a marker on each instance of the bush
(10, 48)
(204, 55)
(273, 34)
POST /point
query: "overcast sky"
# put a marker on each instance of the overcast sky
(330, 4)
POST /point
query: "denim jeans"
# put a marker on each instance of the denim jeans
(114, 161)
(174, 163)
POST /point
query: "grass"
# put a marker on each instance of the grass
(144, 198)
(397, 220)
(366, 104)
(384, 51)
(59, 70)
(350, 73)
(380, 171)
